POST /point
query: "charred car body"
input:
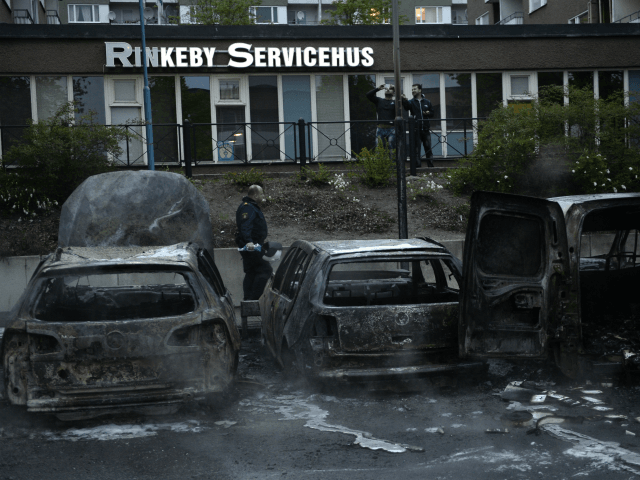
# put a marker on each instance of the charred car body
(106, 325)
(556, 278)
(364, 310)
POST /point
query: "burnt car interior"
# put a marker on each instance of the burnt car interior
(100, 296)
(366, 283)
(610, 280)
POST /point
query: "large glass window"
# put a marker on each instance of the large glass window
(231, 133)
(489, 92)
(263, 99)
(550, 79)
(634, 85)
(88, 93)
(51, 94)
(458, 98)
(15, 109)
(429, 15)
(330, 107)
(362, 134)
(196, 107)
(163, 111)
(581, 79)
(610, 82)
(431, 90)
(266, 14)
(296, 93)
(132, 152)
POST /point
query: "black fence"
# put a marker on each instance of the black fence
(255, 143)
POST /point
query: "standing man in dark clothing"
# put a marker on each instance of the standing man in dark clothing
(421, 108)
(252, 231)
(386, 110)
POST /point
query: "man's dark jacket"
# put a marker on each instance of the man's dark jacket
(252, 226)
(421, 109)
(386, 109)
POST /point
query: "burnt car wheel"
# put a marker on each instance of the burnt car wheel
(16, 367)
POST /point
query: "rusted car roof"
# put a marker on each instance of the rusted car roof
(75, 256)
(340, 247)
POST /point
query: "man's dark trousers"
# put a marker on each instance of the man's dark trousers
(425, 141)
(257, 272)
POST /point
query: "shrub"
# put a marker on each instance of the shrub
(54, 157)
(421, 187)
(17, 199)
(375, 166)
(599, 137)
(317, 178)
(246, 178)
(339, 183)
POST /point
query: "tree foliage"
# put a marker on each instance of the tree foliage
(54, 156)
(224, 12)
(599, 139)
(361, 12)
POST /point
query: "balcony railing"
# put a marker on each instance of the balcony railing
(52, 17)
(22, 17)
(516, 18)
(633, 18)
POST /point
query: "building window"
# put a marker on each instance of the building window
(296, 96)
(51, 94)
(330, 108)
(195, 96)
(582, 18)
(15, 109)
(429, 15)
(519, 85)
(84, 14)
(229, 89)
(88, 93)
(125, 107)
(489, 93)
(536, 4)
(163, 113)
(265, 130)
(483, 19)
(266, 14)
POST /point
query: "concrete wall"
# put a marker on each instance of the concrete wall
(15, 272)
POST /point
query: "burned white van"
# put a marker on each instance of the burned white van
(556, 278)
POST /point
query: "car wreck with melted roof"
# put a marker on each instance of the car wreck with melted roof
(116, 320)
(555, 279)
(365, 311)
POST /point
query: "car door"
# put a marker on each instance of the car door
(515, 276)
(208, 268)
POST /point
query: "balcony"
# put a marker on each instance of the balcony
(52, 17)
(22, 17)
(633, 18)
(516, 18)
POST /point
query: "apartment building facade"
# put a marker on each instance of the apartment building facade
(524, 12)
(172, 12)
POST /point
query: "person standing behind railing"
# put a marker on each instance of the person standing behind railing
(386, 110)
(422, 109)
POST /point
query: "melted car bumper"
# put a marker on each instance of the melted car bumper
(399, 373)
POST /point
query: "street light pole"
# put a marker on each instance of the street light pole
(147, 96)
(400, 130)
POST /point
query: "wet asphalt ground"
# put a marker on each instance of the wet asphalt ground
(269, 426)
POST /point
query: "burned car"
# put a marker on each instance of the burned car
(120, 329)
(368, 310)
(130, 312)
(553, 279)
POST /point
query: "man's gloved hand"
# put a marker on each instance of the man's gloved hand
(250, 246)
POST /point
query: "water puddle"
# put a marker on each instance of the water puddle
(119, 432)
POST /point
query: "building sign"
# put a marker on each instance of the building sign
(242, 55)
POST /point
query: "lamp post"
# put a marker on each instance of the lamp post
(147, 96)
(403, 231)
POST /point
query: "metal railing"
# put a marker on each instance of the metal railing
(516, 18)
(53, 18)
(22, 17)
(632, 18)
(256, 143)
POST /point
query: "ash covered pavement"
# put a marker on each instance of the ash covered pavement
(520, 421)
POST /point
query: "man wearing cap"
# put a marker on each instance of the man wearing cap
(252, 231)
(386, 110)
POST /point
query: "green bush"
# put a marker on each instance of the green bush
(246, 178)
(375, 167)
(54, 157)
(18, 199)
(317, 178)
(599, 137)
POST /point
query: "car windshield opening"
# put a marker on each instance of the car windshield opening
(403, 282)
(119, 295)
